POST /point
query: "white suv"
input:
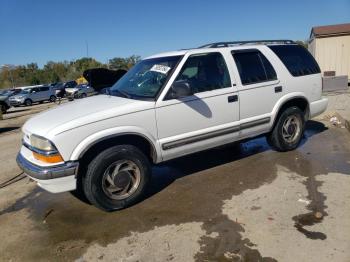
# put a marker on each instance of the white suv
(170, 105)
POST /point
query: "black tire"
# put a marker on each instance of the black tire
(3, 108)
(83, 95)
(93, 179)
(52, 99)
(276, 138)
(28, 102)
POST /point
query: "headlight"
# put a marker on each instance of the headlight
(44, 150)
(41, 143)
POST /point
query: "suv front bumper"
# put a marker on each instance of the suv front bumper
(16, 102)
(55, 179)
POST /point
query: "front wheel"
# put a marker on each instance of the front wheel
(3, 108)
(117, 178)
(28, 102)
(288, 131)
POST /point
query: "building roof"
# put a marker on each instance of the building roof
(330, 30)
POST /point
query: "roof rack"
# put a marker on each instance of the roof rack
(234, 43)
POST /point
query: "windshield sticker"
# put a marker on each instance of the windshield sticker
(160, 69)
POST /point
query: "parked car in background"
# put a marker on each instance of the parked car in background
(4, 103)
(4, 98)
(80, 91)
(70, 84)
(60, 87)
(29, 96)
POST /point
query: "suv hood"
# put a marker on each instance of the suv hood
(71, 89)
(82, 112)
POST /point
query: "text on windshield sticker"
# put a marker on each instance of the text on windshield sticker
(160, 69)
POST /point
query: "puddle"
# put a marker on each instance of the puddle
(309, 219)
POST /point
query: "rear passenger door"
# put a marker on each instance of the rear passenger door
(44, 93)
(259, 89)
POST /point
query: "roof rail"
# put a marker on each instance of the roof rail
(234, 43)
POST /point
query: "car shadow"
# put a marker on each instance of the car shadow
(8, 129)
(166, 173)
(198, 105)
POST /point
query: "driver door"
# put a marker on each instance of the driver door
(207, 118)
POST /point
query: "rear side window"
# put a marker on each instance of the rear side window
(44, 88)
(253, 67)
(297, 59)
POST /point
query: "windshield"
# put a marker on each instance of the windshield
(25, 91)
(146, 78)
(58, 85)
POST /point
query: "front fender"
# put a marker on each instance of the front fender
(89, 141)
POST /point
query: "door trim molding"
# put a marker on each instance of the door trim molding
(221, 132)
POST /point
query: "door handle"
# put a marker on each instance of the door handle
(278, 89)
(232, 99)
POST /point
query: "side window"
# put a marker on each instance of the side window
(205, 72)
(253, 67)
(44, 88)
(297, 59)
(35, 89)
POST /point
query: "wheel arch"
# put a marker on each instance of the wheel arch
(88, 148)
(298, 100)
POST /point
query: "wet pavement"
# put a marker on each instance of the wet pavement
(209, 206)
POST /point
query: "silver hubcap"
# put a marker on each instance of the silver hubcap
(121, 179)
(291, 129)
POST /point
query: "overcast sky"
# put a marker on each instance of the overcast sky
(42, 30)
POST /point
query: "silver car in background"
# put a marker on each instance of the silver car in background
(32, 95)
(80, 91)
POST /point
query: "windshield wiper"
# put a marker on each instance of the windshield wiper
(123, 93)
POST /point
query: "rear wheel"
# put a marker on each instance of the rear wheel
(288, 131)
(52, 99)
(117, 178)
(28, 102)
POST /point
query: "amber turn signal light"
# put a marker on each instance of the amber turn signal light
(51, 159)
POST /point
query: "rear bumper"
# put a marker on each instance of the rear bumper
(54, 179)
(318, 107)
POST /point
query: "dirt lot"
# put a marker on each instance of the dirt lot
(236, 203)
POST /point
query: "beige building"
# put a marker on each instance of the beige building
(330, 45)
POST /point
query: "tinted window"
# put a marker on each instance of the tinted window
(297, 59)
(253, 67)
(205, 72)
(44, 88)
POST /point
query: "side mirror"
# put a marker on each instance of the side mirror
(181, 89)
(33, 91)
